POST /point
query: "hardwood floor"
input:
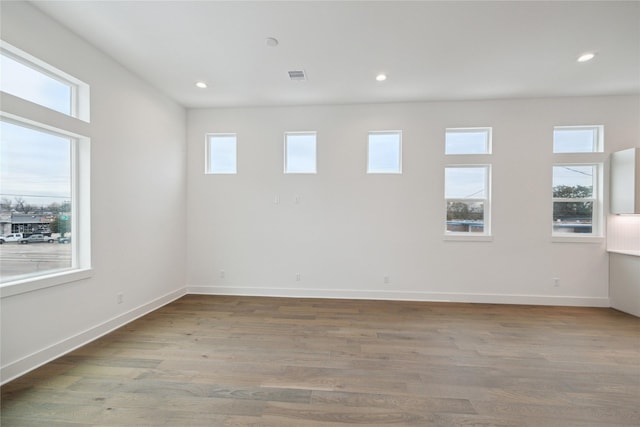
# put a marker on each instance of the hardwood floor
(272, 362)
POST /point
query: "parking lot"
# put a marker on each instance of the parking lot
(18, 259)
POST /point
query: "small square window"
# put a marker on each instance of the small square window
(221, 154)
(577, 139)
(300, 152)
(468, 141)
(385, 152)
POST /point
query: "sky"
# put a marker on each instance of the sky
(27, 83)
(301, 153)
(384, 153)
(34, 165)
(222, 154)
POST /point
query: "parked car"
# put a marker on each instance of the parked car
(64, 239)
(13, 237)
(37, 238)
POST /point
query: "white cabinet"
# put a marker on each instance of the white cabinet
(625, 181)
(624, 283)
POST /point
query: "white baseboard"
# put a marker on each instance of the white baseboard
(41, 357)
(403, 296)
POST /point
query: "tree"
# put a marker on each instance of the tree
(19, 204)
(572, 210)
(53, 208)
(60, 224)
(572, 191)
(6, 204)
(457, 210)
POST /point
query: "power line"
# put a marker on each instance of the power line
(577, 171)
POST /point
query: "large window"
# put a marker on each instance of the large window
(221, 154)
(36, 199)
(44, 171)
(300, 152)
(575, 199)
(385, 152)
(466, 192)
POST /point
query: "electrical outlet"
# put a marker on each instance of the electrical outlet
(298, 277)
(222, 274)
(120, 298)
(385, 279)
(556, 282)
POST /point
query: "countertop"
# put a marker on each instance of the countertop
(624, 252)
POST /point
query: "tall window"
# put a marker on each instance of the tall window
(300, 152)
(385, 152)
(221, 154)
(466, 192)
(44, 170)
(467, 185)
(575, 202)
(577, 186)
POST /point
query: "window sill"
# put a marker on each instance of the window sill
(577, 239)
(467, 238)
(31, 284)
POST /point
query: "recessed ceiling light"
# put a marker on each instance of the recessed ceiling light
(586, 57)
(201, 85)
(271, 41)
(381, 77)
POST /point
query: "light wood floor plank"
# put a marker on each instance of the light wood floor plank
(272, 362)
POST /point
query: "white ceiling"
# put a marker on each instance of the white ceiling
(430, 50)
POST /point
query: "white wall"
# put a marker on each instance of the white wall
(138, 181)
(351, 229)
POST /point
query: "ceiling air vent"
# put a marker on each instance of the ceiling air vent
(297, 75)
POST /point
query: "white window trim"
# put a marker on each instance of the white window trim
(597, 228)
(315, 143)
(489, 143)
(469, 236)
(385, 132)
(598, 143)
(207, 153)
(80, 91)
(81, 204)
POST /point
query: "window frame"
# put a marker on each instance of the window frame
(464, 235)
(598, 143)
(79, 90)
(596, 198)
(384, 132)
(33, 115)
(315, 152)
(488, 142)
(207, 160)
